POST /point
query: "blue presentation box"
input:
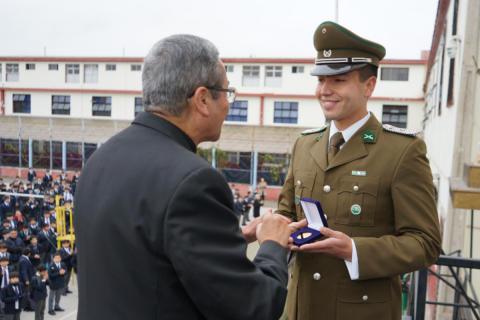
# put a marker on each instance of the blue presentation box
(315, 218)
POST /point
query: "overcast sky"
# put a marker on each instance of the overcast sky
(257, 28)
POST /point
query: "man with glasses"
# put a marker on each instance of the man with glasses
(177, 224)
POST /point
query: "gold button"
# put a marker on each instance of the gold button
(365, 298)
(326, 189)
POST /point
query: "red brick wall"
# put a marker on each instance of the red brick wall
(272, 193)
(13, 172)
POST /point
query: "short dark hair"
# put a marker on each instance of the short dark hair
(9, 214)
(14, 274)
(3, 246)
(57, 254)
(25, 226)
(4, 259)
(367, 72)
(13, 230)
(41, 267)
(65, 241)
(5, 221)
(45, 225)
(33, 237)
(32, 218)
(6, 231)
(26, 251)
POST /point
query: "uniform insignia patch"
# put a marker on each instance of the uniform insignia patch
(310, 131)
(356, 209)
(321, 136)
(406, 132)
(297, 200)
(327, 54)
(368, 136)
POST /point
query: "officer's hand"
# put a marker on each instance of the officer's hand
(275, 228)
(295, 226)
(250, 230)
(338, 245)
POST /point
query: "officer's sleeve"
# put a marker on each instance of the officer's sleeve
(208, 251)
(286, 199)
(417, 241)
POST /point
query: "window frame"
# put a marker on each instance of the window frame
(281, 108)
(93, 75)
(382, 78)
(136, 105)
(135, 67)
(113, 67)
(298, 69)
(253, 79)
(14, 75)
(61, 108)
(22, 98)
(102, 104)
(73, 67)
(229, 68)
(273, 81)
(241, 108)
(30, 66)
(398, 123)
(50, 65)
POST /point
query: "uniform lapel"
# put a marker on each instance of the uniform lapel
(355, 147)
(319, 151)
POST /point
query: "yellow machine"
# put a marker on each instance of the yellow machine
(62, 223)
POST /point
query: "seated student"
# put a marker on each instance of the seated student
(36, 250)
(25, 235)
(47, 218)
(12, 222)
(66, 253)
(39, 284)
(239, 207)
(13, 295)
(29, 189)
(15, 248)
(257, 203)
(26, 271)
(3, 251)
(38, 184)
(56, 273)
(51, 203)
(33, 226)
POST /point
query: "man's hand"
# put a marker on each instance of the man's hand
(27, 283)
(275, 228)
(37, 256)
(250, 230)
(45, 276)
(62, 271)
(338, 245)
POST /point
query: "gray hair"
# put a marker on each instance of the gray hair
(174, 68)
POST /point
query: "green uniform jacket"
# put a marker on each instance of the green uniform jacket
(396, 231)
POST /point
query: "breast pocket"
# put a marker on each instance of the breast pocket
(304, 182)
(357, 199)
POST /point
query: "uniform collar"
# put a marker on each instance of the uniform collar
(350, 131)
(159, 124)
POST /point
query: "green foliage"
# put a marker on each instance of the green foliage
(221, 157)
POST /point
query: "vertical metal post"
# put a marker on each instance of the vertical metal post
(30, 153)
(51, 146)
(214, 161)
(471, 241)
(20, 146)
(336, 11)
(421, 294)
(64, 155)
(83, 143)
(255, 169)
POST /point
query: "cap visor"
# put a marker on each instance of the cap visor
(334, 69)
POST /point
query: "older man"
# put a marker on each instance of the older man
(173, 239)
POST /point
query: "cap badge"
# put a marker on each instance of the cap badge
(324, 30)
(327, 54)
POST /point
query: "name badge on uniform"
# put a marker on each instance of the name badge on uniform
(359, 173)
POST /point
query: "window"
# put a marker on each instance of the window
(138, 106)
(251, 76)
(53, 67)
(30, 66)
(91, 73)
(395, 74)
(298, 69)
(102, 106)
(61, 105)
(12, 72)
(285, 112)
(229, 68)
(21, 103)
(136, 67)
(451, 77)
(395, 115)
(72, 73)
(238, 111)
(273, 76)
(111, 67)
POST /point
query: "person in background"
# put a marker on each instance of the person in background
(235, 198)
(257, 203)
(33, 226)
(66, 253)
(19, 219)
(28, 189)
(233, 189)
(44, 243)
(6, 207)
(63, 175)
(40, 294)
(26, 234)
(262, 187)
(38, 184)
(239, 207)
(248, 204)
(26, 271)
(5, 280)
(15, 248)
(28, 209)
(56, 274)
(5, 235)
(12, 223)
(36, 250)
(3, 251)
(47, 180)
(13, 295)
(245, 211)
(32, 175)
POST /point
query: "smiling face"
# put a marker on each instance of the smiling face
(344, 98)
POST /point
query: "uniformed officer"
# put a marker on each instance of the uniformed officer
(375, 186)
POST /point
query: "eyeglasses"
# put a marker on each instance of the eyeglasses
(231, 93)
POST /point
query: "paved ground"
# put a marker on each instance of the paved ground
(69, 303)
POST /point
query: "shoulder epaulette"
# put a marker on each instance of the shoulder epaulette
(405, 132)
(310, 131)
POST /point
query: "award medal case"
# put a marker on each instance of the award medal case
(315, 218)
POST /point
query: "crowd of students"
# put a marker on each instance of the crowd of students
(244, 204)
(29, 257)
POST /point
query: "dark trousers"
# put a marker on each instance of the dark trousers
(245, 216)
(54, 295)
(45, 257)
(67, 275)
(15, 265)
(40, 309)
(2, 314)
(13, 316)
